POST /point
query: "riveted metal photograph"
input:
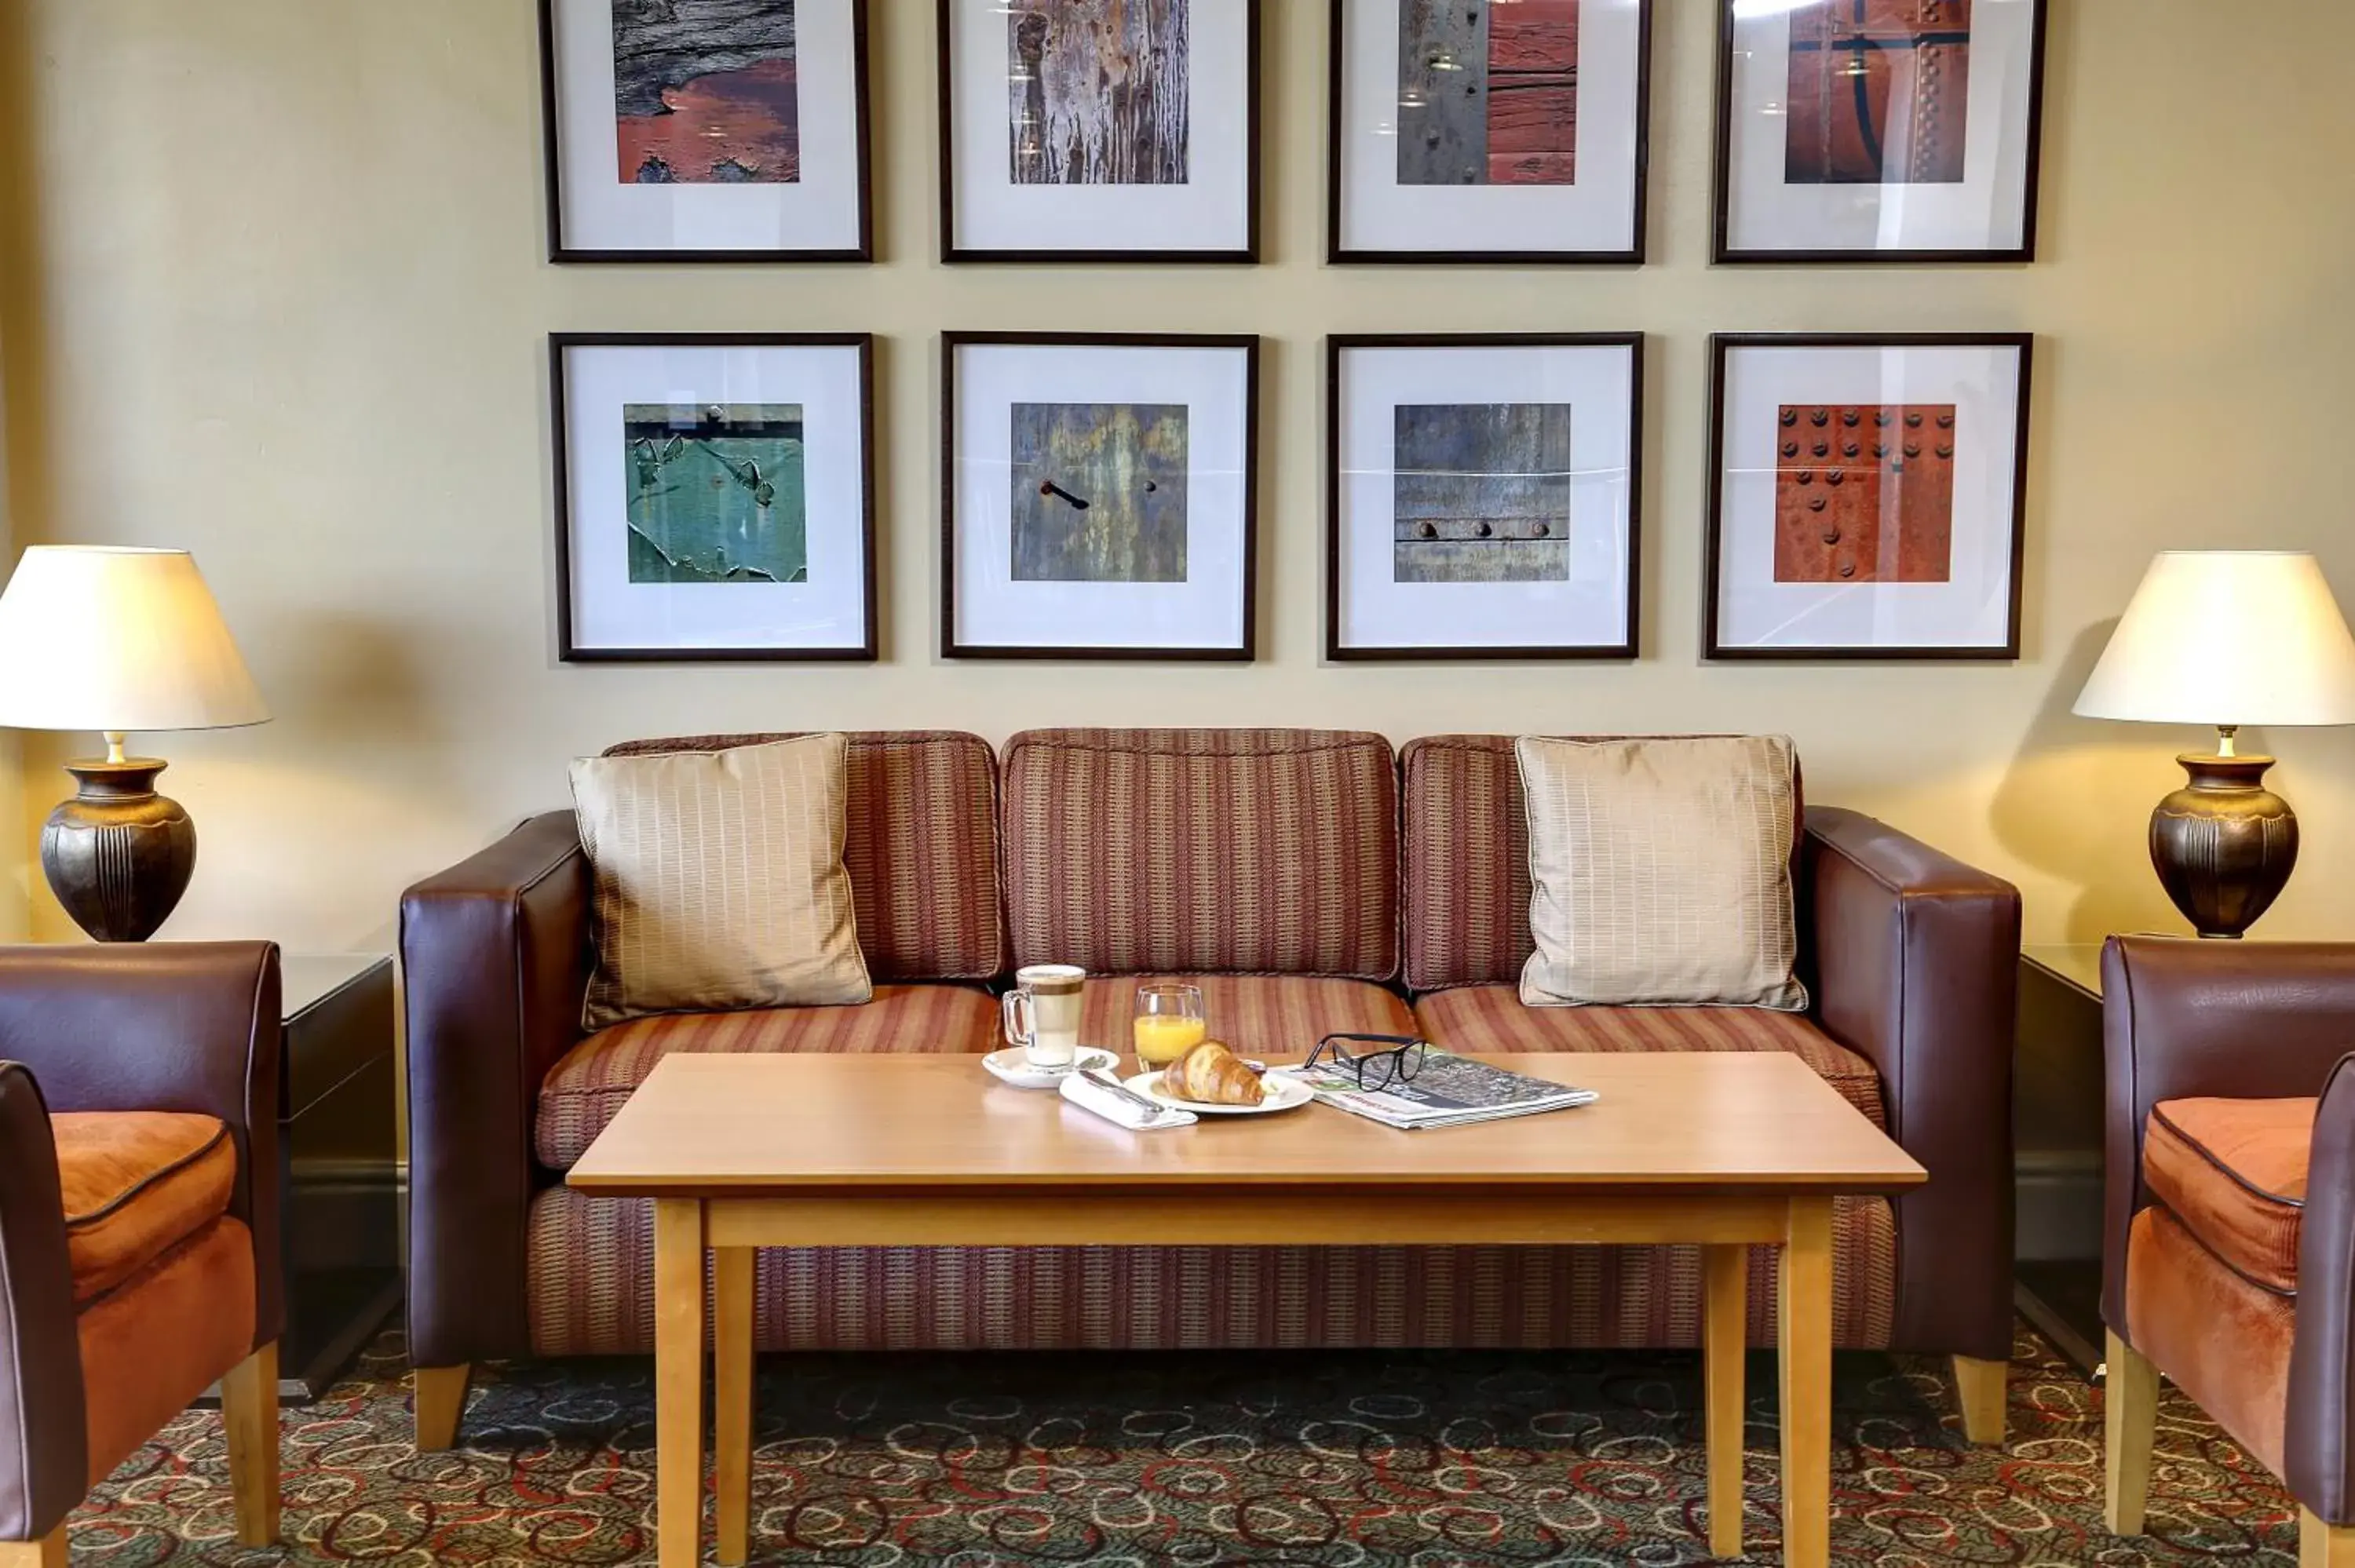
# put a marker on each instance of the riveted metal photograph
(1099, 495)
(1505, 131)
(1099, 130)
(706, 130)
(1483, 493)
(1879, 130)
(1867, 496)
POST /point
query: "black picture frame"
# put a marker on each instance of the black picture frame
(954, 254)
(1723, 253)
(568, 651)
(1339, 255)
(1628, 648)
(1246, 651)
(1723, 346)
(561, 254)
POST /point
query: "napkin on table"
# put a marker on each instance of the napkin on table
(1091, 1093)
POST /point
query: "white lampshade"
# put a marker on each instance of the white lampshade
(2228, 638)
(118, 640)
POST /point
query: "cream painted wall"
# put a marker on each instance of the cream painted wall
(278, 295)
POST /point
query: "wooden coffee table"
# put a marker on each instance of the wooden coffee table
(1720, 1151)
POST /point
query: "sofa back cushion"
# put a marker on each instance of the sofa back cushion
(1210, 851)
(1466, 886)
(921, 843)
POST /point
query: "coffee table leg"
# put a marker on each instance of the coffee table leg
(732, 1398)
(678, 1382)
(1804, 1335)
(1725, 1335)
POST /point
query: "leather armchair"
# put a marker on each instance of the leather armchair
(105, 1337)
(2253, 1039)
(495, 951)
(1916, 962)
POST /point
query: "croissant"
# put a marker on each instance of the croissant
(1209, 1073)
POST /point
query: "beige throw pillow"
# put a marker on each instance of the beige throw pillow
(719, 880)
(1660, 872)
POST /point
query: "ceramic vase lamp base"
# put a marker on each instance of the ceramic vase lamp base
(2223, 844)
(118, 855)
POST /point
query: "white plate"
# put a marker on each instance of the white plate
(1284, 1094)
(1012, 1065)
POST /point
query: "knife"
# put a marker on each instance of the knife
(1103, 1079)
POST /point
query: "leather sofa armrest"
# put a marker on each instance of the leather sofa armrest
(494, 960)
(164, 1026)
(1916, 959)
(2319, 1441)
(42, 1435)
(2183, 1017)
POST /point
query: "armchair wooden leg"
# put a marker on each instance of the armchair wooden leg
(249, 1416)
(2130, 1419)
(1979, 1390)
(440, 1401)
(50, 1551)
(2321, 1545)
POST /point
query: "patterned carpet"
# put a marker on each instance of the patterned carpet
(1414, 1460)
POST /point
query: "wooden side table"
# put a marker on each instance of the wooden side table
(339, 1238)
(2057, 1113)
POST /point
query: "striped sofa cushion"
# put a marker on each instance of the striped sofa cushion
(1465, 888)
(588, 1084)
(1266, 851)
(920, 844)
(1494, 1018)
(591, 1271)
(1267, 1016)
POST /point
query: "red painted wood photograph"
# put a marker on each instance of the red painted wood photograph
(1487, 92)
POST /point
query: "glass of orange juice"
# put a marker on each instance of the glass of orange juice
(1169, 1023)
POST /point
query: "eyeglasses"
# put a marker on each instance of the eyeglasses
(1375, 1070)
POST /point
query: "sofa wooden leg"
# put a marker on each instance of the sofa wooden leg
(440, 1401)
(2321, 1545)
(249, 1416)
(1980, 1389)
(50, 1551)
(2130, 1419)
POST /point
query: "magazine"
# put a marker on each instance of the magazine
(1450, 1091)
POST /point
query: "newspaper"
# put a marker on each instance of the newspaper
(1450, 1091)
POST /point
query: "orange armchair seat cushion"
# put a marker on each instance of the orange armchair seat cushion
(2232, 1173)
(135, 1185)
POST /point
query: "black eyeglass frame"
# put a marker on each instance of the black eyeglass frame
(1399, 1065)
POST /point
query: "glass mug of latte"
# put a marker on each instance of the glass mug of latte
(1041, 1013)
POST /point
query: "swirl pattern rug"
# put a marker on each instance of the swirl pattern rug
(1324, 1459)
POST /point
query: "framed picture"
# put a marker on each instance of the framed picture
(1866, 496)
(706, 130)
(1483, 497)
(1511, 133)
(715, 495)
(1877, 131)
(1100, 496)
(1099, 130)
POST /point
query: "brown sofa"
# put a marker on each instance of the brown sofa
(1309, 883)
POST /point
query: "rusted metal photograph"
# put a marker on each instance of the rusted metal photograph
(1865, 494)
(1100, 493)
(1880, 92)
(706, 92)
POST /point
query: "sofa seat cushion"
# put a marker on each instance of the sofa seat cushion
(135, 1183)
(1473, 1019)
(1271, 1017)
(2232, 1172)
(588, 1084)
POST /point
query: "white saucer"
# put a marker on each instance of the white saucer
(1012, 1065)
(1283, 1093)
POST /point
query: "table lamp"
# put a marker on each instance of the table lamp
(2228, 638)
(117, 640)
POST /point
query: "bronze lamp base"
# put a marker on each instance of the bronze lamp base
(2224, 843)
(118, 855)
